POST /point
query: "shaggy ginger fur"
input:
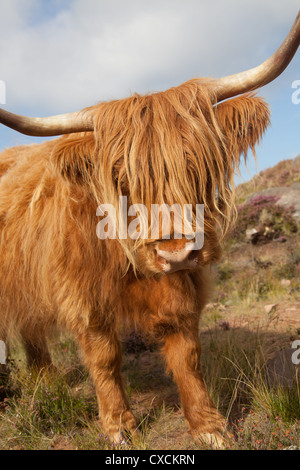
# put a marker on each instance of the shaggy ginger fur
(171, 147)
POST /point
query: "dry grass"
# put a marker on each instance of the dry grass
(58, 410)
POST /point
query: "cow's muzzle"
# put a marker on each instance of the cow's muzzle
(174, 259)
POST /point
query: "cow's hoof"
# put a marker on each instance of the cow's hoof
(212, 440)
(125, 438)
(119, 439)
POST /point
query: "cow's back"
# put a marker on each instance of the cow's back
(9, 157)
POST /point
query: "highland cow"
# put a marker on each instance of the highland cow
(179, 146)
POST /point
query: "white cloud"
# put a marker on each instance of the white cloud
(57, 56)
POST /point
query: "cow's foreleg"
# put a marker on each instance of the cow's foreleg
(182, 353)
(102, 353)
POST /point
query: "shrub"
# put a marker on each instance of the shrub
(263, 210)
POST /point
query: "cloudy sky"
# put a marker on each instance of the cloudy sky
(59, 56)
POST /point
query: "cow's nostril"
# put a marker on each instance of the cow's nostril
(159, 258)
(193, 255)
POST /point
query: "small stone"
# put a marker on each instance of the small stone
(270, 308)
(250, 233)
(285, 282)
(210, 306)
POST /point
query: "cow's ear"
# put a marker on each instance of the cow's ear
(243, 121)
(73, 159)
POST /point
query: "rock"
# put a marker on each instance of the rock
(209, 306)
(217, 305)
(250, 233)
(281, 371)
(270, 308)
(288, 197)
(3, 352)
(285, 282)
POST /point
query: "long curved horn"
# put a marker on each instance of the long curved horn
(48, 126)
(249, 80)
(225, 87)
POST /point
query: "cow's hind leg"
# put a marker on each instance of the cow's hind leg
(102, 353)
(37, 353)
(182, 353)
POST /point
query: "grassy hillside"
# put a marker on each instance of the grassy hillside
(284, 173)
(253, 314)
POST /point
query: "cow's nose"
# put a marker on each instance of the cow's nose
(176, 260)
